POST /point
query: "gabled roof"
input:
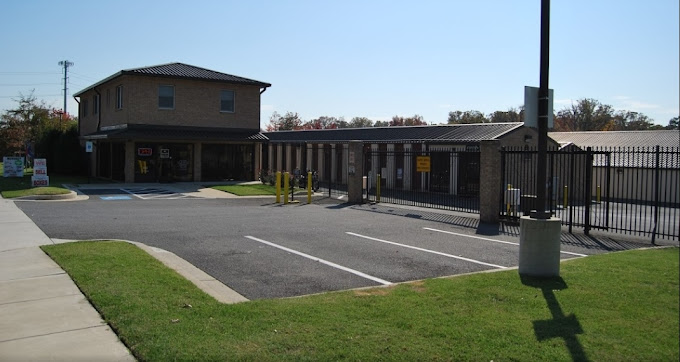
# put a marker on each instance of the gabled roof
(663, 138)
(183, 71)
(170, 133)
(460, 133)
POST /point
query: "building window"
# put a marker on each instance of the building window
(166, 97)
(108, 98)
(227, 101)
(95, 104)
(119, 97)
(85, 107)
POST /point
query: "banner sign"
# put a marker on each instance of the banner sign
(13, 166)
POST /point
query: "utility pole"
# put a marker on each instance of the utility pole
(65, 64)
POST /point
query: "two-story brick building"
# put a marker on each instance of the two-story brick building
(173, 122)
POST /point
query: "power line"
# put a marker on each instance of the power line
(26, 85)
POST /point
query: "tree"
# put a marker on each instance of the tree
(673, 123)
(23, 125)
(323, 122)
(511, 115)
(586, 115)
(288, 122)
(398, 121)
(381, 124)
(360, 122)
(467, 117)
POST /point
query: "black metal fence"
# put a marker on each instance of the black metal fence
(434, 179)
(626, 190)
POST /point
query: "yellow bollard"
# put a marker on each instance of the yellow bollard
(377, 190)
(599, 193)
(507, 205)
(564, 197)
(278, 186)
(286, 185)
(309, 187)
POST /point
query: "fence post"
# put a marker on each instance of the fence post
(657, 169)
(588, 189)
(489, 181)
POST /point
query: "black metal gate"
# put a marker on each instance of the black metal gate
(441, 179)
(625, 190)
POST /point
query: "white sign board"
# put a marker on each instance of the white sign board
(40, 177)
(531, 107)
(13, 166)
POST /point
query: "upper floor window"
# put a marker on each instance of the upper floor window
(227, 101)
(119, 97)
(95, 104)
(166, 97)
(85, 107)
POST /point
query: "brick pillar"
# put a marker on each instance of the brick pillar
(198, 151)
(129, 162)
(408, 166)
(355, 172)
(489, 181)
(391, 176)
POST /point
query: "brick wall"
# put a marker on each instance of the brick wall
(197, 104)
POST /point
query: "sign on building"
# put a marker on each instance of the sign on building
(13, 166)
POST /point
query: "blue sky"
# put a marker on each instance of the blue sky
(348, 58)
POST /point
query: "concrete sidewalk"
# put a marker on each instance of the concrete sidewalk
(43, 315)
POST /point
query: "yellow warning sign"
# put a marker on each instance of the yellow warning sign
(423, 163)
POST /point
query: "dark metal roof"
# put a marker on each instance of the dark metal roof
(176, 133)
(663, 138)
(460, 133)
(181, 70)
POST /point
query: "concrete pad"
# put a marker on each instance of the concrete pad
(90, 344)
(46, 316)
(22, 290)
(26, 263)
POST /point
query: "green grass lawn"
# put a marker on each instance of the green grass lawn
(249, 190)
(613, 307)
(11, 187)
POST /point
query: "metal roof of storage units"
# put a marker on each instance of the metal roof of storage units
(461, 133)
(663, 138)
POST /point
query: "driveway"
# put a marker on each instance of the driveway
(265, 250)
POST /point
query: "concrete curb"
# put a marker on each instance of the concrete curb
(69, 196)
(201, 279)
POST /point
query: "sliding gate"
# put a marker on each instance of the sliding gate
(625, 190)
(433, 179)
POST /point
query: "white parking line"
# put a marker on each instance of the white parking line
(329, 263)
(494, 240)
(426, 250)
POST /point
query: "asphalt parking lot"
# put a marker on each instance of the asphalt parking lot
(266, 250)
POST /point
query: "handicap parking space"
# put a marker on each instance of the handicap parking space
(134, 193)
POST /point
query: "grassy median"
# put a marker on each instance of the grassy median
(619, 306)
(11, 187)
